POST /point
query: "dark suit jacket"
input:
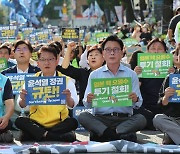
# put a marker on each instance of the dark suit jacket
(13, 69)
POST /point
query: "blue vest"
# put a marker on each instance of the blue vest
(3, 80)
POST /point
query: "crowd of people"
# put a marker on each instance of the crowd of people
(80, 64)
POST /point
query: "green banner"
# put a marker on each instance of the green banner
(101, 35)
(129, 41)
(3, 64)
(110, 92)
(154, 65)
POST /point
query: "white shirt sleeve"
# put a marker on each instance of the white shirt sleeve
(83, 63)
(72, 88)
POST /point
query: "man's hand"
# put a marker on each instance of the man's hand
(3, 122)
(171, 70)
(168, 93)
(23, 94)
(134, 97)
(138, 70)
(69, 99)
(67, 93)
(90, 97)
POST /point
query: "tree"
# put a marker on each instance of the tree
(49, 11)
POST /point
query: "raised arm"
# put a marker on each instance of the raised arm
(66, 60)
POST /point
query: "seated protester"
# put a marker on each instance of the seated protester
(22, 53)
(113, 123)
(150, 87)
(49, 122)
(5, 52)
(6, 109)
(169, 122)
(95, 60)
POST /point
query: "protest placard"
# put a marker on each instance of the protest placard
(111, 92)
(174, 82)
(7, 32)
(70, 34)
(3, 64)
(101, 35)
(45, 90)
(17, 80)
(154, 65)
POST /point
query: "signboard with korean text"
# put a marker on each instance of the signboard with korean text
(101, 35)
(154, 65)
(129, 41)
(174, 82)
(111, 92)
(70, 34)
(34, 56)
(45, 90)
(77, 111)
(3, 64)
(32, 38)
(8, 32)
(17, 81)
(27, 31)
(43, 36)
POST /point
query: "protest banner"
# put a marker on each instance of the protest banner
(70, 34)
(42, 37)
(17, 81)
(154, 65)
(174, 82)
(34, 56)
(27, 31)
(110, 92)
(8, 32)
(77, 111)
(101, 35)
(45, 90)
(129, 41)
(3, 64)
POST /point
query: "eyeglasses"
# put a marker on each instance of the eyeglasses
(115, 50)
(50, 60)
(22, 49)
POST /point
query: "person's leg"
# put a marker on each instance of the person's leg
(5, 134)
(132, 124)
(63, 131)
(91, 123)
(69, 124)
(36, 131)
(95, 125)
(148, 115)
(169, 126)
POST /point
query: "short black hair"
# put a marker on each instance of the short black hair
(49, 49)
(56, 47)
(6, 47)
(113, 38)
(19, 42)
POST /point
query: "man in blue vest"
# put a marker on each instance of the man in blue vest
(6, 109)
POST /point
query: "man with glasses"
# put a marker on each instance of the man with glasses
(113, 123)
(22, 53)
(49, 122)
